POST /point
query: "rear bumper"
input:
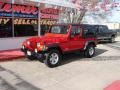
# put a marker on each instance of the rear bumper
(39, 56)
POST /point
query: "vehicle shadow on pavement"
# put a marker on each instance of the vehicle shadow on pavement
(104, 42)
(72, 57)
(79, 56)
(99, 52)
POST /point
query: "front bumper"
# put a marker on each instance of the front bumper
(41, 56)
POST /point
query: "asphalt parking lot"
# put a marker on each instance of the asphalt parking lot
(74, 73)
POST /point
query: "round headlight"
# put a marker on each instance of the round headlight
(28, 42)
(38, 44)
(23, 47)
(36, 50)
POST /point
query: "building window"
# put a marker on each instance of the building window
(24, 30)
(5, 27)
(25, 27)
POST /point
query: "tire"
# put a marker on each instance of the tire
(112, 40)
(53, 58)
(90, 51)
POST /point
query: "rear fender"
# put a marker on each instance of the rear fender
(89, 42)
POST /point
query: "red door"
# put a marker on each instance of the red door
(76, 41)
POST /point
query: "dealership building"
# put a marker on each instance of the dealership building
(21, 19)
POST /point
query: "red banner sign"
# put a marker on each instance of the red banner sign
(19, 10)
(49, 13)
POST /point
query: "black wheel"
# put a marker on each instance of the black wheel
(53, 58)
(112, 40)
(90, 51)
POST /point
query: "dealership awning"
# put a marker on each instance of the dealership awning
(63, 3)
(23, 2)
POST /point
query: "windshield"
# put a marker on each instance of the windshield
(59, 29)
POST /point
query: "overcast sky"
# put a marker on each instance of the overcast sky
(115, 16)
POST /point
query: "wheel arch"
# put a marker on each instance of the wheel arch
(56, 47)
(113, 35)
(89, 43)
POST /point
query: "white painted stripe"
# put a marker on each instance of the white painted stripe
(115, 46)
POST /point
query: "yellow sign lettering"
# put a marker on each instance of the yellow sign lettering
(6, 21)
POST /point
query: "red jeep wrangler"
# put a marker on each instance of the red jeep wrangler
(59, 40)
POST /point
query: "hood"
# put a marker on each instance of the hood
(49, 38)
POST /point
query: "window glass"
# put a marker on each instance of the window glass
(56, 29)
(5, 27)
(103, 29)
(25, 30)
(45, 29)
(75, 30)
(25, 27)
(89, 30)
(59, 29)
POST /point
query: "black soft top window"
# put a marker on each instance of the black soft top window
(103, 28)
(89, 30)
(59, 29)
(76, 30)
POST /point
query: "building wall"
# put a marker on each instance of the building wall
(113, 25)
(11, 43)
(15, 39)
